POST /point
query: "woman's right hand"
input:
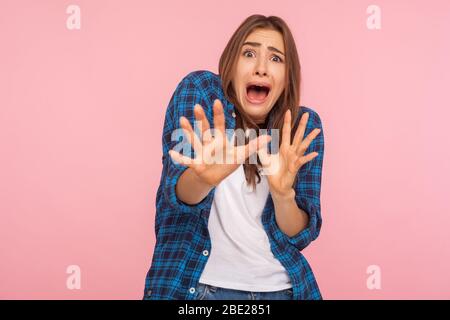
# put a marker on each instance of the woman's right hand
(215, 156)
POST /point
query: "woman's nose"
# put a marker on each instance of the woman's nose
(261, 68)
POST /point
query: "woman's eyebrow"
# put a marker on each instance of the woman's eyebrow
(257, 44)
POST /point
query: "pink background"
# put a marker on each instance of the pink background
(81, 114)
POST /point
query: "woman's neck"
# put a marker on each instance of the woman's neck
(264, 124)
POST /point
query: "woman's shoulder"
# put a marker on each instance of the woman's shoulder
(314, 118)
(202, 87)
(202, 78)
(197, 87)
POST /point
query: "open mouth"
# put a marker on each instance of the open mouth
(257, 93)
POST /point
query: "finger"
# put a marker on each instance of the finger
(219, 117)
(243, 152)
(179, 158)
(305, 159)
(205, 128)
(301, 129)
(286, 134)
(264, 157)
(215, 152)
(301, 149)
(191, 135)
(270, 163)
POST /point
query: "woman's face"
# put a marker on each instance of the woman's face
(259, 78)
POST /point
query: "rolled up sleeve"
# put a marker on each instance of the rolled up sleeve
(307, 188)
(187, 94)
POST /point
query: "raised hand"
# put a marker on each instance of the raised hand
(215, 156)
(281, 168)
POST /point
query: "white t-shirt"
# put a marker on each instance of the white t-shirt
(240, 256)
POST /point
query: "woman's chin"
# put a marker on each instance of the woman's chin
(256, 112)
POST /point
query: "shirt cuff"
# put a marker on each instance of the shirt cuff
(173, 174)
(302, 239)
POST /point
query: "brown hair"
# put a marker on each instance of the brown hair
(289, 98)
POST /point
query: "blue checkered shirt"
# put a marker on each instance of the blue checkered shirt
(182, 237)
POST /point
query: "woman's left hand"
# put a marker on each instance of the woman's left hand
(281, 168)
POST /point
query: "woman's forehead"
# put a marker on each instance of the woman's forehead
(266, 38)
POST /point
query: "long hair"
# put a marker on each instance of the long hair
(289, 98)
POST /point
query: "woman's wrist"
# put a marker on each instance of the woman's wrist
(201, 181)
(191, 189)
(284, 195)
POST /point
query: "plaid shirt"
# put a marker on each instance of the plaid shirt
(182, 238)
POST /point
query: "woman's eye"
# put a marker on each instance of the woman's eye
(248, 54)
(277, 59)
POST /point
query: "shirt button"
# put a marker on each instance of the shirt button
(192, 290)
(233, 114)
(205, 252)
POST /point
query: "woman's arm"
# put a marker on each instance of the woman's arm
(290, 218)
(295, 206)
(191, 189)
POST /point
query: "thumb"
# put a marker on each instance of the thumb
(257, 145)
(264, 157)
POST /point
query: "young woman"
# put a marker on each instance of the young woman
(234, 230)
